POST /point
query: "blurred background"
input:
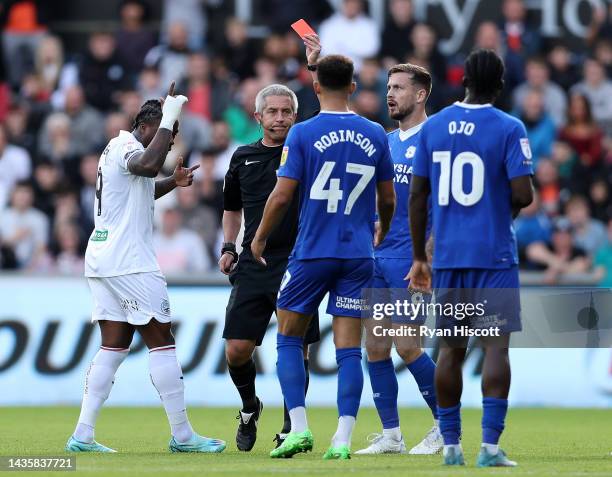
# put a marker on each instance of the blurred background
(73, 73)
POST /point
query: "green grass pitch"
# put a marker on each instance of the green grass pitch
(545, 442)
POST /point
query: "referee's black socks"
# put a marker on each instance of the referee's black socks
(287, 423)
(244, 380)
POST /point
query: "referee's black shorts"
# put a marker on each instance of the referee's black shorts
(253, 299)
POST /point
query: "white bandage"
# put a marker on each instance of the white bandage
(171, 111)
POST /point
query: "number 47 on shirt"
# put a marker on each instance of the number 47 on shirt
(334, 194)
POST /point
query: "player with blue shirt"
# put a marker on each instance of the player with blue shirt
(408, 88)
(342, 165)
(475, 161)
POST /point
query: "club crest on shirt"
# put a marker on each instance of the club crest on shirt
(526, 148)
(165, 307)
(410, 152)
(284, 155)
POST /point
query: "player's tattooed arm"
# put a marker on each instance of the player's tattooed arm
(276, 207)
(521, 193)
(385, 206)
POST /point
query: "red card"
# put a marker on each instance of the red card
(302, 28)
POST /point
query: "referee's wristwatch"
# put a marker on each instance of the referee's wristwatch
(230, 247)
(311, 67)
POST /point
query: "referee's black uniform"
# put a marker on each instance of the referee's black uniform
(248, 183)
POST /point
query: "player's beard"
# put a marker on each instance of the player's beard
(402, 113)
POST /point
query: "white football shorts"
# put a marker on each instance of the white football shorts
(135, 298)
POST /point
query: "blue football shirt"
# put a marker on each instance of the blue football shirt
(470, 153)
(338, 158)
(397, 243)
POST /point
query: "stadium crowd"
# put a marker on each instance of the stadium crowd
(59, 107)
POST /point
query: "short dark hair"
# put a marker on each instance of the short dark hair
(150, 112)
(335, 72)
(418, 74)
(484, 73)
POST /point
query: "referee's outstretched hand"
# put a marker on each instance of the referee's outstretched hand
(257, 248)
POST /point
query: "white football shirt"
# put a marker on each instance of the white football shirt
(122, 241)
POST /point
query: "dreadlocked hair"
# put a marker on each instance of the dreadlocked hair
(484, 73)
(149, 112)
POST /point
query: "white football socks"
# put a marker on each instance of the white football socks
(167, 377)
(98, 383)
(298, 419)
(342, 437)
(394, 433)
(492, 449)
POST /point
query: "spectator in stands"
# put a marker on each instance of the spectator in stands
(17, 130)
(581, 132)
(518, 36)
(599, 200)
(134, 38)
(24, 25)
(178, 249)
(532, 225)
(190, 14)
(541, 130)
(488, 36)
(547, 181)
(601, 25)
(171, 58)
(149, 86)
(243, 126)
(564, 159)
(69, 257)
(425, 51)
(208, 97)
(603, 261)
(85, 122)
(538, 77)
(52, 75)
(603, 54)
(372, 80)
(396, 38)
(101, 74)
(115, 122)
(238, 52)
(588, 234)
(350, 32)
(15, 166)
(559, 257)
(130, 102)
(199, 218)
(47, 182)
(598, 89)
(563, 68)
(23, 228)
(59, 146)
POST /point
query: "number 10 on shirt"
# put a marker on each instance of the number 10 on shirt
(334, 194)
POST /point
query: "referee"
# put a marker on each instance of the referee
(248, 183)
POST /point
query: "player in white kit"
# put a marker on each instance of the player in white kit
(128, 289)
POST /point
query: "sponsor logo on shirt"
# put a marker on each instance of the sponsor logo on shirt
(99, 236)
(284, 155)
(526, 148)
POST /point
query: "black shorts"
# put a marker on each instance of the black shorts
(253, 300)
